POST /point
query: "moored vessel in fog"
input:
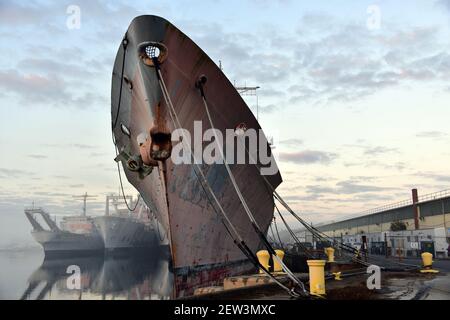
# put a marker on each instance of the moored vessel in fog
(124, 229)
(75, 235)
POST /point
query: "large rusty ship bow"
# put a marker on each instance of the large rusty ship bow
(142, 128)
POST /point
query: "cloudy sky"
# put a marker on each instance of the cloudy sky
(356, 95)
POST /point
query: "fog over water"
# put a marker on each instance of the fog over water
(27, 274)
(17, 266)
(15, 229)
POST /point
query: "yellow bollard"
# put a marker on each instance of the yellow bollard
(316, 277)
(276, 265)
(427, 261)
(263, 258)
(337, 275)
(330, 254)
(357, 254)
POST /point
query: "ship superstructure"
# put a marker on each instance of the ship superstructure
(76, 235)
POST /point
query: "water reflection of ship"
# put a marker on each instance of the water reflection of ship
(127, 277)
(53, 273)
(141, 277)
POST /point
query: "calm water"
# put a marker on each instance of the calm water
(28, 275)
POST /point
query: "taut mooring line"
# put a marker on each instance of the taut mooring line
(240, 243)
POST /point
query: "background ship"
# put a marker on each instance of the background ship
(119, 229)
(142, 128)
(122, 228)
(76, 234)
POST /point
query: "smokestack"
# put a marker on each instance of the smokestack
(415, 199)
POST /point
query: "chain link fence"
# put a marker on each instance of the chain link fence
(402, 244)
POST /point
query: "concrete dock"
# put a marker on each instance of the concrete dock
(395, 285)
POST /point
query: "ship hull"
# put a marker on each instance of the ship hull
(188, 279)
(121, 233)
(63, 242)
(198, 237)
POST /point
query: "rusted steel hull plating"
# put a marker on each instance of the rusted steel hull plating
(142, 127)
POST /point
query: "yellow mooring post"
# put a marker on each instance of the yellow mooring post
(330, 254)
(263, 258)
(427, 260)
(357, 254)
(337, 276)
(276, 265)
(316, 277)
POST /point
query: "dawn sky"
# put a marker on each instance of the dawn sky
(355, 93)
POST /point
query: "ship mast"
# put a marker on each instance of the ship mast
(246, 91)
(84, 197)
(250, 91)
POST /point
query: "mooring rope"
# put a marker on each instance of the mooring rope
(293, 235)
(119, 104)
(278, 234)
(124, 45)
(273, 235)
(241, 197)
(240, 243)
(314, 231)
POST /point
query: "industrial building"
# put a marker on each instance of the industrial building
(425, 219)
